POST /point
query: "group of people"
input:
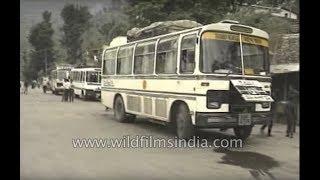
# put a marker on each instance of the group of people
(26, 85)
(68, 93)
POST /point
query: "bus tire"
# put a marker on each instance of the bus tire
(242, 132)
(120, 113)
(184, 127)
(130, 118)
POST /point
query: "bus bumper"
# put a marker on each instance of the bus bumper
(93, 94)
(228, 120)
(59, 89)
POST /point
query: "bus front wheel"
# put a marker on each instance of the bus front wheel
(185, 128)
(119, 111)
(242, 132)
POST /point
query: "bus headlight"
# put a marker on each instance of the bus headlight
(265, 105)
(214, 105)
(216, 98)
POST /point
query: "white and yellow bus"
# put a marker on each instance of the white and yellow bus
(57, 76)
(86, 82)
(214, 76)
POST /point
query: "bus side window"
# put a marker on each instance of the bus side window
(166, 62)
(81, 76)
(124, 61)
(109, 62)
(144, 58)
(187, 57)
(76, 76)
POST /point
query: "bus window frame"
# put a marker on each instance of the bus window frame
(177, 56)
(196, 53)
(221, 74)
(115, 61)
(116, 64)
(154, 57)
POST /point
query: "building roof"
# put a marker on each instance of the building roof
(284, 68)
(292, 9)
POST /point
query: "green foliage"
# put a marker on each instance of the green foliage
(113, 29)
(76, 22)
(142, 13)
(41, 33)
(41, 40)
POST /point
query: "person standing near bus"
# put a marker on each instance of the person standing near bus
(71, 92)
(269, 123)
(66, 85)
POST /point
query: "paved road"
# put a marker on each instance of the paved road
(48, 126)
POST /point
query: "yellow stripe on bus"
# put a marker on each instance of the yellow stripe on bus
(235, 38)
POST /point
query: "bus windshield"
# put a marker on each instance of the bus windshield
(61, 74)
(92, 76)
(221, 53)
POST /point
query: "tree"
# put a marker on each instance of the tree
(27, 74)
(40, 39)
(113, 29)
(142, 13)
(76, 22)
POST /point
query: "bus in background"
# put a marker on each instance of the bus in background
(57, 77)
(86, 82)
(213, 76)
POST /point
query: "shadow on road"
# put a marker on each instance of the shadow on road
(257, 164)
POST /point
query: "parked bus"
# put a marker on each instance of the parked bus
(57, 76)
(86, 82)
(213, 76)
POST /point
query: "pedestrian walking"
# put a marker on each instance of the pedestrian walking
(25, 87)
(269, 122)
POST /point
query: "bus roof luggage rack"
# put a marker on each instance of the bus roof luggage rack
(159, 28)
(229, 21)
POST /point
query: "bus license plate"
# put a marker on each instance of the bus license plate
(244, 119)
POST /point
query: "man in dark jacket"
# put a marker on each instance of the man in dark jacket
(290, 116)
